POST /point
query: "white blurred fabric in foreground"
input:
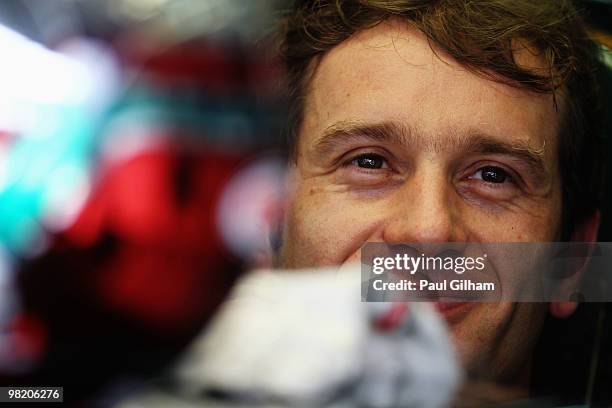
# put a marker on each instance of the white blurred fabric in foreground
(304, 338)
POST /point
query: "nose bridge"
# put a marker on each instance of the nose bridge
(423, 210)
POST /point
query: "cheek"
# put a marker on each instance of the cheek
(509, 229)
(535, 222)
(321, 229)
(495, 339)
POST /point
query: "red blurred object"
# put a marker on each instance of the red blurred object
(28, 340)
(160, 206)
(138, 275)
(210, 66)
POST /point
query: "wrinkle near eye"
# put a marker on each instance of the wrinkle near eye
(522, 203)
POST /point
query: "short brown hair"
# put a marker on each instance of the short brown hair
(480, 35)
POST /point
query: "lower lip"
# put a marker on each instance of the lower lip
(446, 307)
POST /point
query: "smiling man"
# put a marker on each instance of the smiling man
(443, 121)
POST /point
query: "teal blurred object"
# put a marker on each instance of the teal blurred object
(50, 107)
(46, 175)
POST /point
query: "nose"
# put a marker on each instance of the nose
(424, 210)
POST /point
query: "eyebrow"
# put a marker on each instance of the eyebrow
(395, 133)
(341, 133)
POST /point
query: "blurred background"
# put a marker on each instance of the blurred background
(140, 171)
(125, 125)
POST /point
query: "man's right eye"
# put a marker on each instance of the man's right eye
(370, 161)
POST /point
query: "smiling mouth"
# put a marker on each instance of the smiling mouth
(454, 312)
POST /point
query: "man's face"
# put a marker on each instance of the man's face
(401, 144)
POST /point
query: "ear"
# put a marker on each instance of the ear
(586, 231)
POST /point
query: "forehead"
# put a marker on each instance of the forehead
(391, 73)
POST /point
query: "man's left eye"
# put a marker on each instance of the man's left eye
(491, 174)
(370, 161)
